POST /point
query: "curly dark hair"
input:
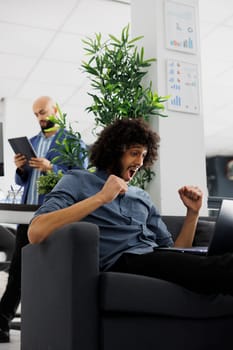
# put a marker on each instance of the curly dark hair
(119, 136)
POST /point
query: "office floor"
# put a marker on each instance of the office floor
(14, 334)
(14, 343)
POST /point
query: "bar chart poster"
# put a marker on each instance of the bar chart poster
(182, 80)
(180, 27)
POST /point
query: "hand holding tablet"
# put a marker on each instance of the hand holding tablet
(22, 145)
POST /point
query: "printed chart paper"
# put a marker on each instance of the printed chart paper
(180, 27)
(182, 81)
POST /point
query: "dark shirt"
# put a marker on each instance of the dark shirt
(130, 223)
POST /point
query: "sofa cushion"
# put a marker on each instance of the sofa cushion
(122, 292)
(204, 232)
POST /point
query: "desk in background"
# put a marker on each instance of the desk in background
(16, 213)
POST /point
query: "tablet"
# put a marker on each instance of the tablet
(22, 145)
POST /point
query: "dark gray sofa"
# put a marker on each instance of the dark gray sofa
(67, 304)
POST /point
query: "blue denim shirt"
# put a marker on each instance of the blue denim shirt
(130, 223)
(25, 178)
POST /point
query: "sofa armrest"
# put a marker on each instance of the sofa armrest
(59, 290)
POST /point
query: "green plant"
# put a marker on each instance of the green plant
(71, 149)
(117, 68)
(143, 177)
(72, 152)
(46, 182)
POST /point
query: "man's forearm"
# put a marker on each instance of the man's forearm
(187, 233)
(43, 225)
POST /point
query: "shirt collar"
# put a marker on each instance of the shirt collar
(102, 174)
(42, 135)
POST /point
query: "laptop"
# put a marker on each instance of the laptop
(222, 238)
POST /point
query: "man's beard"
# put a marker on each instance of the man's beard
(117, 169)
(49, 124)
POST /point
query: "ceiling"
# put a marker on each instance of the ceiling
(41, 51)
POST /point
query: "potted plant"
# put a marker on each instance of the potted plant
(116, 68)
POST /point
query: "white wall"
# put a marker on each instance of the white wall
(182, 150)
(18, 120)
(1, 121)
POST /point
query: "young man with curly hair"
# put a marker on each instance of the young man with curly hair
(130, 226)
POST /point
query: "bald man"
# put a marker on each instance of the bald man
(26, 176)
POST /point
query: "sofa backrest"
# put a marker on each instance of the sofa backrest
(204, 232)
